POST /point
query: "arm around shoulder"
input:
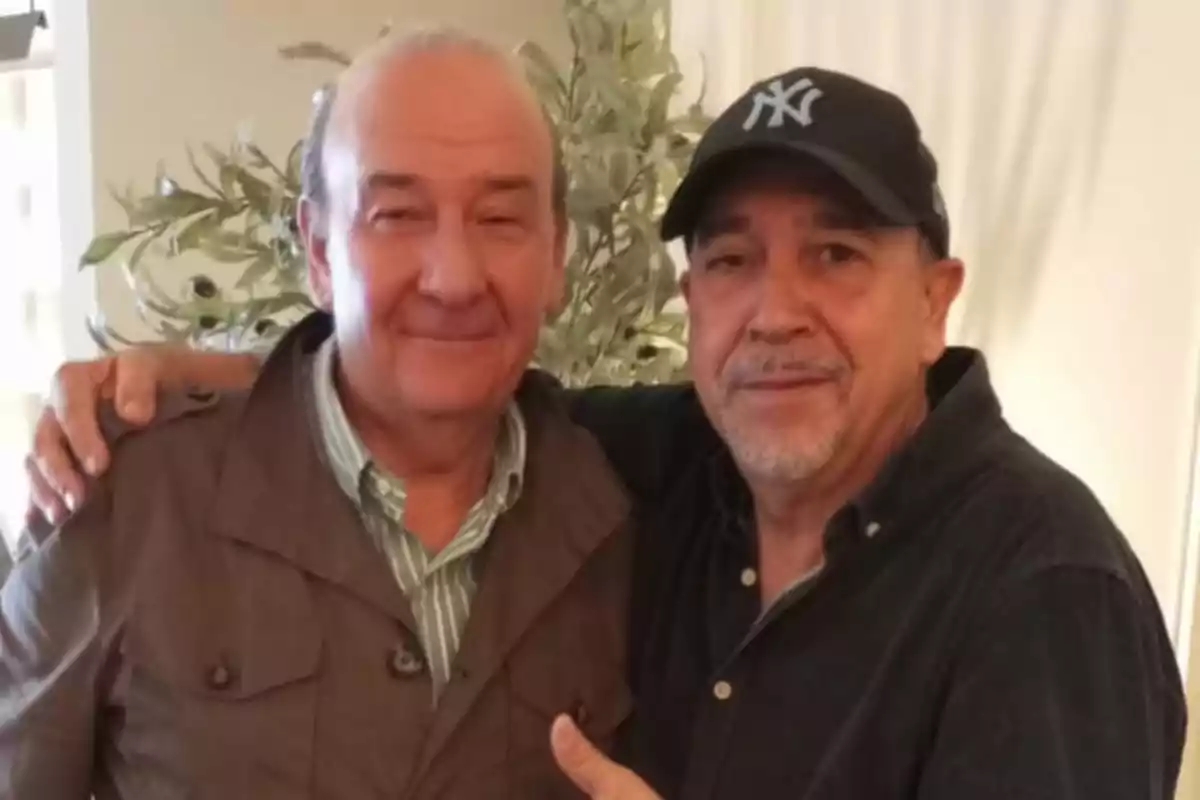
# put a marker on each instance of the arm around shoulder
(649, 433)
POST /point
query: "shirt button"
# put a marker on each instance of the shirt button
(722, 690)
(872, 529)
(749, 577)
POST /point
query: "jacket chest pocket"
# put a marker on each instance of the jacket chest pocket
(219, 708)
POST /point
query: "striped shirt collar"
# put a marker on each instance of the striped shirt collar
(351, 461)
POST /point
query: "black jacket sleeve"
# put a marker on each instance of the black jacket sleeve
(649, 433)
(1066, 690)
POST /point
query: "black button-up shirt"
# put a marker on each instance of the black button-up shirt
(980, 629)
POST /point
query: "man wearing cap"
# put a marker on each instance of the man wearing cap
(854, 580)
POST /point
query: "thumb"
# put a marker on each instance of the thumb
(590, 770)
(579, 759)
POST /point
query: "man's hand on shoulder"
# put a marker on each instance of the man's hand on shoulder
(67, 439)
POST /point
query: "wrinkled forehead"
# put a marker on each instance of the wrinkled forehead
(805, 183)
(444, 115)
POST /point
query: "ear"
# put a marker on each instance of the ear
(685, 284)
(314, 234)
(943, 280)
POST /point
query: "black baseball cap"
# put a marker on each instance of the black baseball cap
(865, 135)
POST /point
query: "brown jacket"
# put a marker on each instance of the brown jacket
(214, 622)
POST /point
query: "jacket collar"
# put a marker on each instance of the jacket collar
(276, 495)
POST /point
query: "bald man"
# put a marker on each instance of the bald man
(368, 576)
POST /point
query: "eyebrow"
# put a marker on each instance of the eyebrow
(509, 183)
(389, 180)
(491, 183)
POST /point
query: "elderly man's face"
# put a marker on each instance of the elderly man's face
(442, 251)
(810, 327)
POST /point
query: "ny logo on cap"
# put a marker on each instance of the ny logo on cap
(783, 103)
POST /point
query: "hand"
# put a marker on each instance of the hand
(599, 777)
(68, 424)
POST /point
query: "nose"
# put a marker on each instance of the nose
(784, 307)
(451, 272)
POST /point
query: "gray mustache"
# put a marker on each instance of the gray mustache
(751, 368)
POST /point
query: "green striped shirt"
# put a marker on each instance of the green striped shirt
(441, 586)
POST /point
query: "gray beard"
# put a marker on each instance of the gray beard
(761, 455)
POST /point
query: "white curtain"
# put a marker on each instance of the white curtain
(30, 328)
(1012, 96)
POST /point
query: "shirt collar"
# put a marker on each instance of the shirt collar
(964, 413)
(349, 458)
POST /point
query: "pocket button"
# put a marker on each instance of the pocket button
(220, 676)
(406, 661)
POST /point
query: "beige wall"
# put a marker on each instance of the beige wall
(167, 72)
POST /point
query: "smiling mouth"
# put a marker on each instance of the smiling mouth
(448, 337)
(779, 383)
(453, 339)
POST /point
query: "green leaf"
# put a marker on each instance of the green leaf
(125, 200)
(695, 121)
(201, 175)
(314, 51)
(258, 269)
(103, 246)
(288, 301)
(666, 286)
(228, 173)
(261, 160)
(660, 101)
(293, 171)
(227, 248)
(149, 289)
(196, 231)
(138, 252)
(257, 191)
(218, 157)
(543, 73)
(170, 310)
(172, 207)
(620, 172)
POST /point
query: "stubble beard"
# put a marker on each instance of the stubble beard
(780, 456)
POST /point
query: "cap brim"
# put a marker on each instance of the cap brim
(689, 198)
